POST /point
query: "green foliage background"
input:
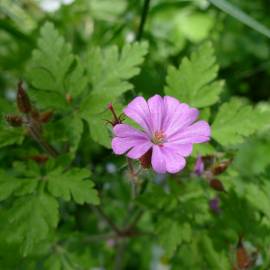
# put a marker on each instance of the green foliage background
(76, 210)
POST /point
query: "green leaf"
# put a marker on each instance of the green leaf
(51, 61)
(241, 16)
(64, 259)
(8, 184)
(235, 120)
(254, 155)
(195, 80)
(99, 131)
(258, 197)
(106, 9)
(194, 25)
(109, 72)
(54, 71)
(11, 185)
(67, 131)
(73, 184)
(215, 259)
(172, 238)
(10, 135)
(76, 81)
(31, 218)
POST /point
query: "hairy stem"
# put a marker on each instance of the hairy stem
(134, 179)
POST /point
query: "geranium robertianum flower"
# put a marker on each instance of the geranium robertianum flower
(168, 129)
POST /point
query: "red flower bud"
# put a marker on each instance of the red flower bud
(116, 119)
(145, 160)
(23, 101)
(217, 185)
(14, 120)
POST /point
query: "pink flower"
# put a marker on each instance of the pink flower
(167, 127)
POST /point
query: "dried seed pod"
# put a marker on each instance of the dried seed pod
(217, 185)
(14, 120)
(221, 167)
(23, 101)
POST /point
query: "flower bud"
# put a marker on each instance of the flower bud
(199, 166)
(23, 101)
(14, 120)
(145, 160)
(217, 185)
(214, 205)
(221, 167)
(116, 119)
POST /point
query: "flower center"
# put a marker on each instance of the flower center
(158, 137)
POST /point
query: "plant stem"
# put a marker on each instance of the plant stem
(134, 179)
(143, 19)
(107, 219)
(36, 135)
(120, 248)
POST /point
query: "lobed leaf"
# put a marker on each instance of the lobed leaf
(10, 185)
(172, 238)
(31, 219)
(194, 82)
(72, 184)
(54, 71)
(234, 121)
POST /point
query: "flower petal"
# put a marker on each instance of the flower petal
(197, 133)
(165, 159)
(178, 117)
(138, 111)
(183, 150)
(174, 162)
(158, 161)
(170, 107)
(139, 150)
(122, 145)
(156, 108)
(123, 130)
